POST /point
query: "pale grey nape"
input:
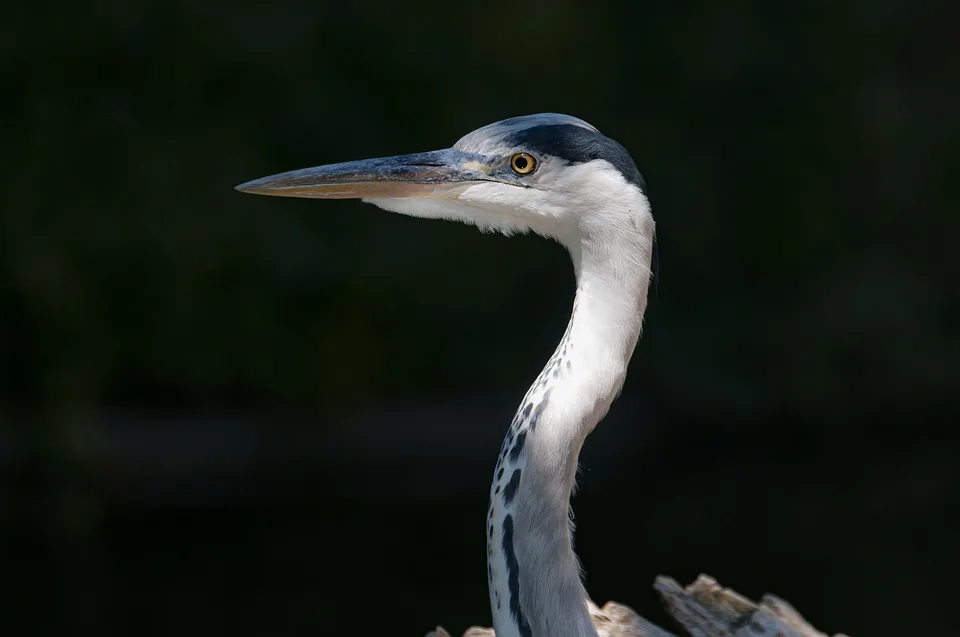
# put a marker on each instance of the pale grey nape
(560, 177)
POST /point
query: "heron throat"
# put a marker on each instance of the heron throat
(533, 573)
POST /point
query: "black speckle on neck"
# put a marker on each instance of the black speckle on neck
(517, 448)
(513, 578)
(510, 490)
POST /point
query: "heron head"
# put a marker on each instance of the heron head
(553, 174)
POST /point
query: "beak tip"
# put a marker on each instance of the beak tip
(255, 187)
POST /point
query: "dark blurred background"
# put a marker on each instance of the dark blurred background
(226, 414)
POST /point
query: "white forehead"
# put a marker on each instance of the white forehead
(489, 138)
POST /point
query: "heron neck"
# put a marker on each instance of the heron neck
(535, 585)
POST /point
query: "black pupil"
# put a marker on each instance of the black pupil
(520, 162)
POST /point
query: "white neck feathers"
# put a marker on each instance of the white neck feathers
(535, 587)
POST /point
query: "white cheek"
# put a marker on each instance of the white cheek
(485, 194)
(529, 203)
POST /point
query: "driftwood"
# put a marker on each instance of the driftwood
(703, 609)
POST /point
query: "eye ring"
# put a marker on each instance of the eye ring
(523, 163)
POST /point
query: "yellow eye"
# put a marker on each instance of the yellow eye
(523, 164)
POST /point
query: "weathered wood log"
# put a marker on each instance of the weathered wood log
(702, 609)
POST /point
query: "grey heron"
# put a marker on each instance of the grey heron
(559, 177)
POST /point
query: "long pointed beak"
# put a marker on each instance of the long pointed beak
(439, 173)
